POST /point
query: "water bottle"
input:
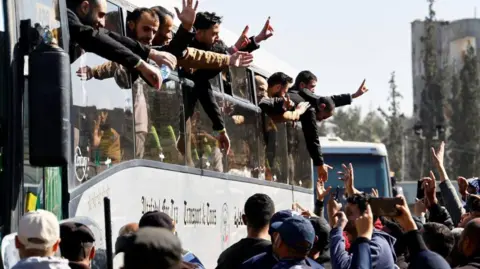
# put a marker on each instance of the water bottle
(165, 71)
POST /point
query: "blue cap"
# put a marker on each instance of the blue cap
(280, 216)
(295, 232)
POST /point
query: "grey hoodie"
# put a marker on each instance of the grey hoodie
(42, 263)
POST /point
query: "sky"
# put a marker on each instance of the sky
(343, 42)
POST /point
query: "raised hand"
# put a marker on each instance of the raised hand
(429, 188)
(266, 32)
(321, 191)
(241, 59)
(322, 172)
(361, 90)
(364, 224)
(243, 40)
(347, 177)
(302, 107)
(188, 14)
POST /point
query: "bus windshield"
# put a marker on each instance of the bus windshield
(370, 171)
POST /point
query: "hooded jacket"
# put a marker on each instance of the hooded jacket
(42, 263)
(381, 248)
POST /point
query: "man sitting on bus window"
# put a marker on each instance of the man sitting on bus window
(193, 58)
(86, 18)
(37, 241)
(322, 108)
(208, 27)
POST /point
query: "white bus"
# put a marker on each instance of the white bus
(203, 194)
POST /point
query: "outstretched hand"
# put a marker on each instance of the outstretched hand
(188, 14)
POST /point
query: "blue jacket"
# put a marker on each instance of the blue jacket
(267, 260)
(361, 254)
(381, 248)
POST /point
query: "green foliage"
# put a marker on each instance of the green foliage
(349, 125)
(465, 122)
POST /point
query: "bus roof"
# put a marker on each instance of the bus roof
(333, 145)
(264, 62)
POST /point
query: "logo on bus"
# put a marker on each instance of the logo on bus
(81, 165)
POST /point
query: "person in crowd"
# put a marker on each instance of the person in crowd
(293, 238)
(437, 213)
(259, 209)
(361, 251)
(153, 247)
(319, 251)
(470, 244)
(278, 105)
(127, 229)
(86, 19)
(162, 220)
(438, 238)
(38, 240)
(456, 256)
(77, 244)
(321, 108)
(208, 27)
(270, 257)
(381, 244)
(420, 256)
(193, 58)
(123, 236)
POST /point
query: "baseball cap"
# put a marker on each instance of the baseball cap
(156, 219)
(322, 231)
(295, 232)
(38, 230)
(153, 247)
(75, 236)
(280, 216)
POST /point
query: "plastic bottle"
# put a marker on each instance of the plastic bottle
(165, 71)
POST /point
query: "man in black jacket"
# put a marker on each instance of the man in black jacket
(86, 19)
(321, 108)
(207, 27)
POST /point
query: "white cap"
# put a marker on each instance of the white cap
(38, 230)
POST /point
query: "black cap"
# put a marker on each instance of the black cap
(153, 248)
(156, 219)
(75, 237)
(322, 231)
(76, 233)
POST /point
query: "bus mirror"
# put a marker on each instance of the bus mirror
(49, 105)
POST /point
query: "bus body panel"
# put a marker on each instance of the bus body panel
(207, 210)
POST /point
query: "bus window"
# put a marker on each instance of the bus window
(103, 112)
(370, 171)
(275, 146)
(165, 116)
(43, 14)
(240, 85)
(241, 124)
(299, 169)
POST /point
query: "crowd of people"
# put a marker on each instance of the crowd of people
(140, 60)
(350, 236)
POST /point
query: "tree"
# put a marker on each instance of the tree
(347, 123)
(373, 128)
(432, 98)
(465, 122)
(395, 122)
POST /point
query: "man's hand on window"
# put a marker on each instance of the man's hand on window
(188, 14)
